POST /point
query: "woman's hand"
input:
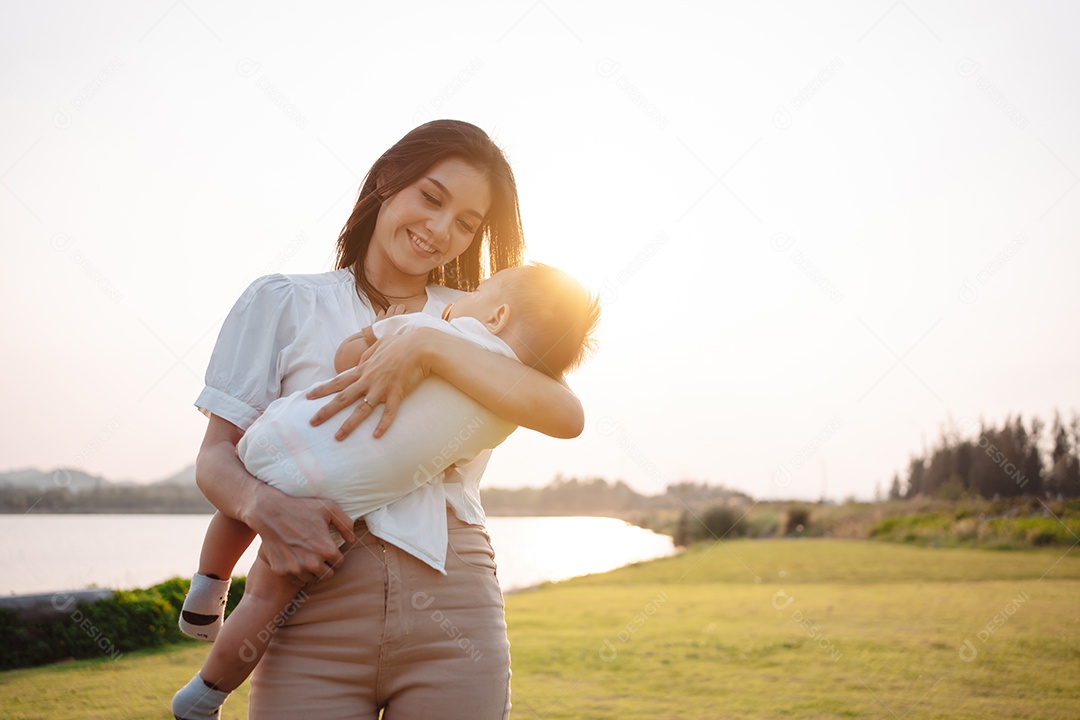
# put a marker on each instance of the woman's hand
(388, 371)
(296, 541)
(295, 531)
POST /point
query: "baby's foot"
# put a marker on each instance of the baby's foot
(197, 699)
(204, 607)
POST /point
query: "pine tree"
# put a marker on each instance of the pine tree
(916, 477)
(1063, 476)
(895, 491)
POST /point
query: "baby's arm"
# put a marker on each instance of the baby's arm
(353, 347)
(349, 352)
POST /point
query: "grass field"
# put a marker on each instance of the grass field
(807, 628)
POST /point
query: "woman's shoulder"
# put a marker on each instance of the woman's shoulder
(282, 287)
(329, 279)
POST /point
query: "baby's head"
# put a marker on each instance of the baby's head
(544, 315)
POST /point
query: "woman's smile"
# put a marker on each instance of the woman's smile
(424, 247)
(431, 221)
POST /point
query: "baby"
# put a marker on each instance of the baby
(536, 314)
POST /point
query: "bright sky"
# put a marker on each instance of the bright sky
(819, 232)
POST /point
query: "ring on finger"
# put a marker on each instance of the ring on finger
(365, 401)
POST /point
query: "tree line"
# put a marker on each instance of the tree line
(1012, 460)
(592, 496)
(564, 496)
(158, 498)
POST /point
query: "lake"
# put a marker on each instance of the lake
(46, 553)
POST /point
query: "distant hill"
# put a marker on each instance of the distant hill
(77, 481)
(32, 479)
(184, 478)
(65, 490)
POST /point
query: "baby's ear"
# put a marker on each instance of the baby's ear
(498, 319)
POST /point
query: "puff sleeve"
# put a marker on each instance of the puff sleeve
(247, 366)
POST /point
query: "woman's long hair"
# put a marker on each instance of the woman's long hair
(498, 243)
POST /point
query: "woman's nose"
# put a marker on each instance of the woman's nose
(439, 225)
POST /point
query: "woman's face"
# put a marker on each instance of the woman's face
(431, 221)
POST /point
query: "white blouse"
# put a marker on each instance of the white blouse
(281, 337)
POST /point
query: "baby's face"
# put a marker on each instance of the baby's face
(482, 303)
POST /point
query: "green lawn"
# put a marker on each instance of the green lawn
(742, 629)
(135, 685)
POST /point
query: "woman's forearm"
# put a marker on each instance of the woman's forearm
(295, 532)
(511, 390)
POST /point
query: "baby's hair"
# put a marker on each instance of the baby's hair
(553, 316)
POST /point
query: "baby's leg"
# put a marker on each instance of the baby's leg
(244, 638)
(226, 540)
(240, 644)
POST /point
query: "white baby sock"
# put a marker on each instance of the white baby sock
(204, 607)
(197, 700)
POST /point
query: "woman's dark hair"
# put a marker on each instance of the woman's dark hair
(499, 242)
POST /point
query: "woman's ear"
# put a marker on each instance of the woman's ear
(498, 319)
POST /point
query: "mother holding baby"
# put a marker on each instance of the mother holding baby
(436, 214)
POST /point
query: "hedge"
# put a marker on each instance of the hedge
(130, 620)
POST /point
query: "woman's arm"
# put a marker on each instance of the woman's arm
(295, 531)
(396, 364)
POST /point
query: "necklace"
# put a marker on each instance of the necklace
(406, 298)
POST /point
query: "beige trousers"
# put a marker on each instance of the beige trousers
(387, 632)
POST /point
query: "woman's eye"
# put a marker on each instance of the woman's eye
(466, 226)
(430, 198)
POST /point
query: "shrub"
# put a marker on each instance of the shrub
(797, 522)
(762, 525)
(129, 620)
(1006, 530)
(715, 522)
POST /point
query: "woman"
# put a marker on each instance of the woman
(375, 628)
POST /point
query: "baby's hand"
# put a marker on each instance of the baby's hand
(391, 311)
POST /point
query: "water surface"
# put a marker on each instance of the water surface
(45, 553)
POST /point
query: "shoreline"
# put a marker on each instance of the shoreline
(44, 567)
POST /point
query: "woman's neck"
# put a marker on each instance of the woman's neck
(397, 287)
